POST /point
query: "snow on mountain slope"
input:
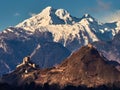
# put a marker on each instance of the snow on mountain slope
(70, 31)
(81, 33)
(48, 16)
(118, 26)
(72, 34)
(65, 15)
(3, 45)
(15, 33)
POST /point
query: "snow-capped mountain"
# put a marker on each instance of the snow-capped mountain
(68, 30)
(48, 16)
(51, 31)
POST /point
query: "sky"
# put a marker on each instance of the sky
(13, 12)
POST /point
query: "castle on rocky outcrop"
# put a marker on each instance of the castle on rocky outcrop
(26, 61)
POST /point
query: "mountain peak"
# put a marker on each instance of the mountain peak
(63, 14)
(62, 11)
(48, 10)
(88, 17)
(46, 17)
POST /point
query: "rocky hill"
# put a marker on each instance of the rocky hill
(85, 67)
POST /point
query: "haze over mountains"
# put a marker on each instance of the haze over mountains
(50, 36)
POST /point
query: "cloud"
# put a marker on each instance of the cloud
(103, 5)
(112, 17)
(32, 14)
(17, 14)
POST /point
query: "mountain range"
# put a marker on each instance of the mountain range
(84, 67)
(69, 30)
(52, 35)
